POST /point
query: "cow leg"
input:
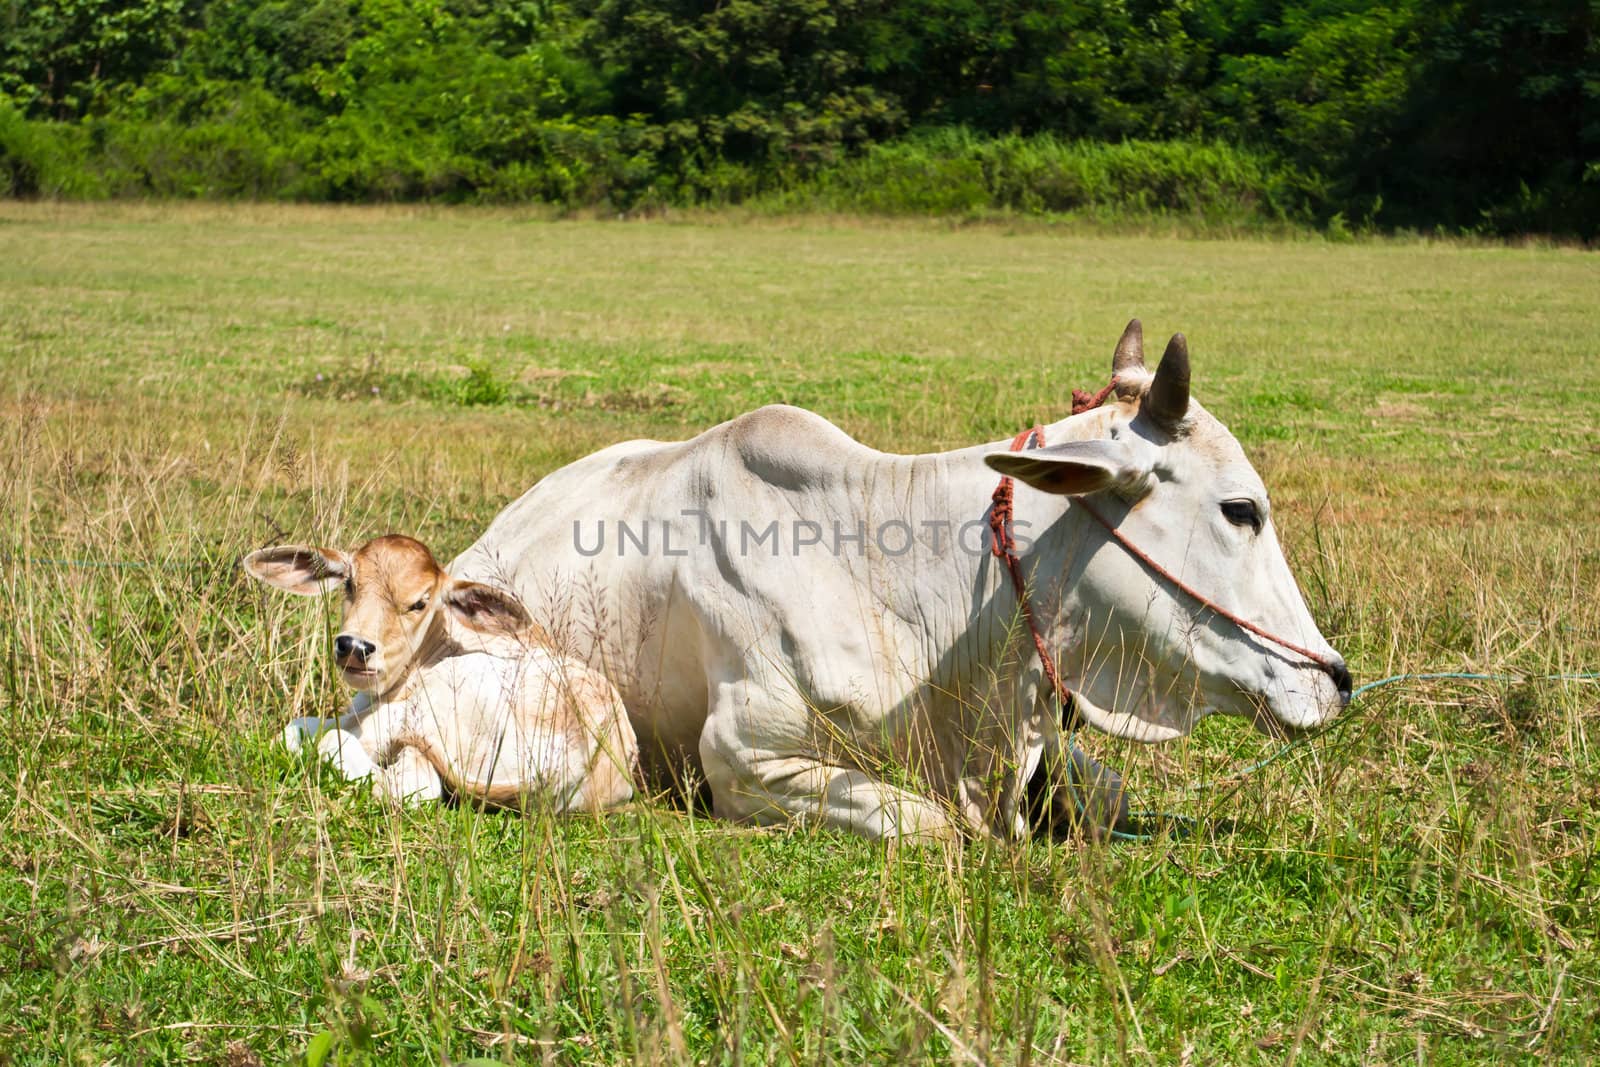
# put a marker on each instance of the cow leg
(409, 780)
(1084, 794)
(365, 739)
(748, 785)
(345, 751)
(303, 729)
(311, 727)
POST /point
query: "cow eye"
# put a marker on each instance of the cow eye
(420, 604)
(1242, 513)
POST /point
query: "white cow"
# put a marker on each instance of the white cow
(822, 630)
(457, 689)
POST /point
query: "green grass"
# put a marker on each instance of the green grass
(1418, 884)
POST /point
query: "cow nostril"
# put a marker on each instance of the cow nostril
(346, 646)
(1341, 680)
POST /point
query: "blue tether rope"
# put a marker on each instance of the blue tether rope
(1183, 825)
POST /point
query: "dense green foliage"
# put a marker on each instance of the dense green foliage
(1476, 115)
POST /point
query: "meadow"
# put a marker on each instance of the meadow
(182, 384)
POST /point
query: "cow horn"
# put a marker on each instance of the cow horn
(1168, 399)
(1130, 349)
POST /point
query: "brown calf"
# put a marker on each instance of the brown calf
(457, 688)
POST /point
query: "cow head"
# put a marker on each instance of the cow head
(1148, 659)
(398, 603)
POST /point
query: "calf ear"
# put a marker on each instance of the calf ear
(1075, 468)
(485, 608)
(299, 569)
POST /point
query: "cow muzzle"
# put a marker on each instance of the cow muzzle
(1306, 700)
(357, 659)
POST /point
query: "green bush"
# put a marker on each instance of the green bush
(38, 158)
(177, 138)
(1476, 115)
(953, 171)
(905, 178)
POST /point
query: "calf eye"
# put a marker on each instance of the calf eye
(1242, 513)
(419, 605)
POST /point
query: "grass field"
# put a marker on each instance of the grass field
(182, 384)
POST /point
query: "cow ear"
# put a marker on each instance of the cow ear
(299, 569)
(1076, 468)
(486, 609)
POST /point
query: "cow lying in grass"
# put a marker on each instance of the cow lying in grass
(457, 689)
(823, 632)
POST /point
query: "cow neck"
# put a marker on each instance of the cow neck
(437, 645)
(1005, 548)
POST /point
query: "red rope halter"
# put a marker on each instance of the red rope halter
(1005, 548)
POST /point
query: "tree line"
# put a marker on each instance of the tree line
(1477, 116)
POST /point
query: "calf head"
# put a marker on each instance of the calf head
(398, 603)
(1150, 659)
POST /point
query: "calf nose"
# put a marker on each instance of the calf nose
(347, 645)
(1341, 679)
